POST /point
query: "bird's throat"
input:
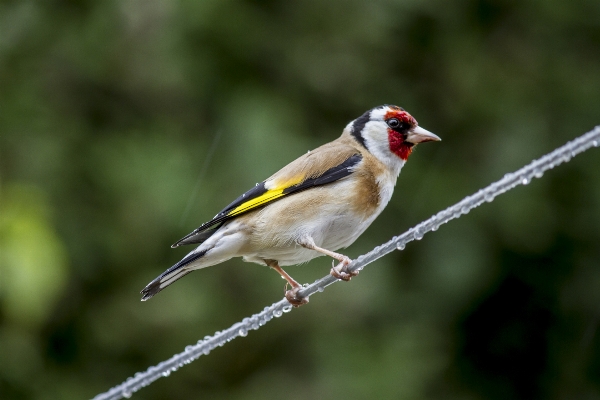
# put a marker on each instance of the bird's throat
(398, 146)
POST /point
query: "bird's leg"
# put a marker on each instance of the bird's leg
(341, 270)
(292, 294)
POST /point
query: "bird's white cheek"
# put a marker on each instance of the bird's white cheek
(377, 142)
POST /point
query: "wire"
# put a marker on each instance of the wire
(523, 176)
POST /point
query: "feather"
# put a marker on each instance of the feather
(171, 275)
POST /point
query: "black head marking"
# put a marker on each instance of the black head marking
(359, 125)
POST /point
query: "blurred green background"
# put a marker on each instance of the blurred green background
(110, 109)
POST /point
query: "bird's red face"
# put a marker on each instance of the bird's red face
(399, 123)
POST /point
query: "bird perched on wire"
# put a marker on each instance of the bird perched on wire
(319, 203)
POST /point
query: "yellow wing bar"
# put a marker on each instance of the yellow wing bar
(257, 201)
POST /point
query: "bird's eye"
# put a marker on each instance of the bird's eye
(393, 123)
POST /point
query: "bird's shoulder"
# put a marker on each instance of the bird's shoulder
(314, 163)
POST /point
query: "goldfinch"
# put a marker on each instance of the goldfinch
(319, 203)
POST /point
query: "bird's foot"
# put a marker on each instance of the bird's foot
(341, 271)
(293, 297)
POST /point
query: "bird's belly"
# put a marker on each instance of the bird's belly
(331, 235)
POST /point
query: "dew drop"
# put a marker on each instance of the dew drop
(126, 394)
(174, 369)
(566, 158)
(243, 333)
(255, 326)
(489, 197)
(435, 227)
(286, 309)
(320, 289)
(595, 143)
(525, 181)
(166, 373)
(465, 210)
(400, 246)
(277, 313)
(189, 348)
(538, 173)
(206, 351)
(418, 235)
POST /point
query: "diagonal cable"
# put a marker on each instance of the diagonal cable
(522, 176)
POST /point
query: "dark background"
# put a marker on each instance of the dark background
(109, 111)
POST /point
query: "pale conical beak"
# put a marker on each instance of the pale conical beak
(418, 135)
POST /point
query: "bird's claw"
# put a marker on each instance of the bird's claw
(341, 271)
(293, 297)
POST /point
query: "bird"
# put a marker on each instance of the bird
(317, 204)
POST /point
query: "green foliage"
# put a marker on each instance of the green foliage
(108, 110)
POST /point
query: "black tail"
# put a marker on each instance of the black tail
(171, 275)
